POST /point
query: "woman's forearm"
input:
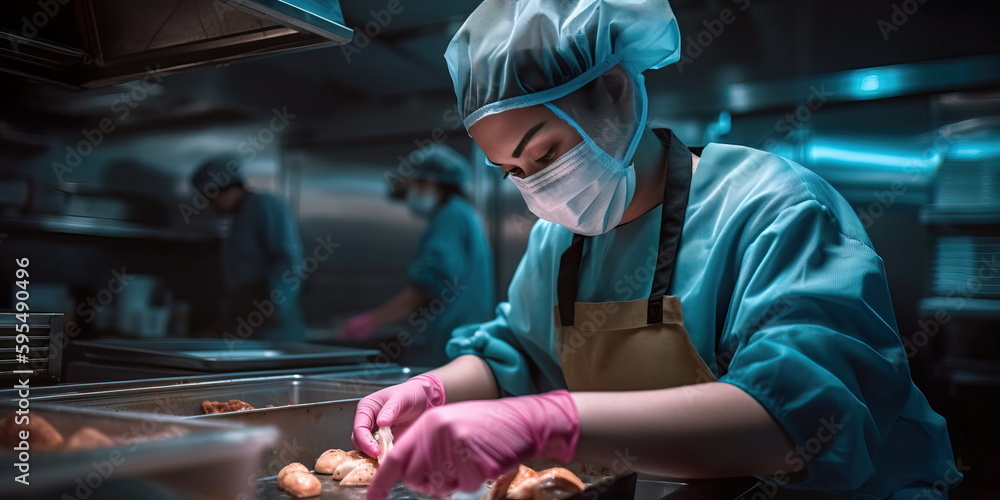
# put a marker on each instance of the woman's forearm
(466, 378)
(705, 430)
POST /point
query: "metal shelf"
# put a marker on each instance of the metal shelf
(963, 307)
(968, 371)
(968, 214)
(110, 228)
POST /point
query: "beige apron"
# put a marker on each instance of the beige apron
(640, 344)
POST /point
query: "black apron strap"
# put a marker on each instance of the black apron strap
(675, 200)
(569, 279)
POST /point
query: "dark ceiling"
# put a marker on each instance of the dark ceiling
(401, 70)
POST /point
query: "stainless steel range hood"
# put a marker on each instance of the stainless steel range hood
(94, 43)
(322, 17)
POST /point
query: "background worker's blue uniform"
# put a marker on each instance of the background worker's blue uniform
(263, 245)
(454, 269)
(783, 296)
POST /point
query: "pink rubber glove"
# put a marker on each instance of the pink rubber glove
(359, 327)
(397, 406)
(459, 446)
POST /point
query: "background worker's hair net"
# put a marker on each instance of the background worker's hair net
(435, 162)
(516, 53)
(221, 171)
(441, 164)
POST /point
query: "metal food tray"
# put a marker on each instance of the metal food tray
(267, 489)
(311, 416)
(221, 355)
(384, 377)
(156, 458)
(184, 400)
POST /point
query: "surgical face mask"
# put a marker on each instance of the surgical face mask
(585, 190)
(421, 201)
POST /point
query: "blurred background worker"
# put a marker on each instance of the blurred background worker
(262, 246)
(451, 278)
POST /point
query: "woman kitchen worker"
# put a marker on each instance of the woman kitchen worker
(712, 313)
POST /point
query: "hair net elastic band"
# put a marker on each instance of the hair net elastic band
(637, 82)
(547, 95)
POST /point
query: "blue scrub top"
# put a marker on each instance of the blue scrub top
(454, 268)
(264, 248)
(783, 296)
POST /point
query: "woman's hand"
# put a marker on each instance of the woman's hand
(459, 446)
(396, 406)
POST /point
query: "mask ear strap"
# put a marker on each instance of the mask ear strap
(586, 137)
(640, 102)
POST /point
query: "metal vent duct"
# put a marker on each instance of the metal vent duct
(93, 43)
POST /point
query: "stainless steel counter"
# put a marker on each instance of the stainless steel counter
(314, 412)
(392, 374)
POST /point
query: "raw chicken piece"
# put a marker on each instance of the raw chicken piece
(345, 468)
(288, 469)
(557, 483)
(384, 438)
(87, 438)
(331, 459)
(301, 484)
(211, 407)
(498, 488)
(361, 475)
(42, 436)
(522, 486)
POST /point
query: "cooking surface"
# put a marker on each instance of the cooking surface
(267, 489)
(220, 355)
(310, 420)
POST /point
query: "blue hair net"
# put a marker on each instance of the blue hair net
(442, 164)
(517, 53)
(222, 171)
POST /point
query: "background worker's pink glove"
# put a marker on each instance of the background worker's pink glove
(358, 327)
(396, 406)
(459, 446)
